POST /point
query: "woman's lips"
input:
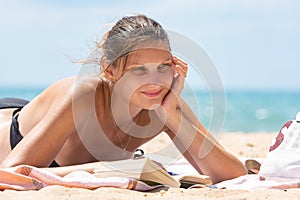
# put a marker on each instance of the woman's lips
(152, 94)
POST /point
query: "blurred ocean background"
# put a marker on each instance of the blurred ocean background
(249, 110)
(253, 44)
(246, 110)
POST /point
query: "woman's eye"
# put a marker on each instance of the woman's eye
(163, 68)
(139, 70)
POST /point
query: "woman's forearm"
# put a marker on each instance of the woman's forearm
(204, 152)
(62, 171)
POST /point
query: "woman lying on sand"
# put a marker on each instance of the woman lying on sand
(139, 89)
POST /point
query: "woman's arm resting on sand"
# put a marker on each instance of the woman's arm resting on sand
(62, 171)
(204, 152)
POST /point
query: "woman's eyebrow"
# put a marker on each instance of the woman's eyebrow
(168, 61)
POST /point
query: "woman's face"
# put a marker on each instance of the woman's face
(148, 77)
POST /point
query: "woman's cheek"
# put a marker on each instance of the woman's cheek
(168, 80)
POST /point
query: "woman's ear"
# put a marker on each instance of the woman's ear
(109, 73)
(107, 69)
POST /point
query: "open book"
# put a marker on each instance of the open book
(148, 171)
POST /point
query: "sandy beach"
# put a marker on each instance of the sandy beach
(243, 145)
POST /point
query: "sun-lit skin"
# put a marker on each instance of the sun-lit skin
(152, 74)
(146, 84)
(147, 78)
(150, 82)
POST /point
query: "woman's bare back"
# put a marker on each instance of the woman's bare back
(94, 135)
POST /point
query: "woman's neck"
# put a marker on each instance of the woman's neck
(123, 111)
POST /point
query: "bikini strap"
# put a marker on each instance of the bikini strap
(15, 135)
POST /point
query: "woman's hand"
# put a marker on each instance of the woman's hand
(170, 109)
(181, 68)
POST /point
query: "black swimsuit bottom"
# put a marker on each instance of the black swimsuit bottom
(15, 135)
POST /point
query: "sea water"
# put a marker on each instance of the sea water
(248, 110)
(244, 110)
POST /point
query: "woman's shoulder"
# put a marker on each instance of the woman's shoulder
(57, 89)
(80, 85)
(90, 85)
(74, 89)
(53, 98)
(56, 92)
(64, 83)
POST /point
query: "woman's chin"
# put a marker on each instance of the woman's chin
(154, 107)
(151, 106)
(147, 104)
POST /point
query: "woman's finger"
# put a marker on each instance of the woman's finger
(179, 70)
(181, 66)
(178, 82)
(179, 60)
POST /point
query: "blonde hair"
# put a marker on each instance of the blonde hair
(127, 34)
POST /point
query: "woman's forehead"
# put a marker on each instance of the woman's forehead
(148, 55)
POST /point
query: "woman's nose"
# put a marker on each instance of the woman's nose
(153, 74)
(154, 78)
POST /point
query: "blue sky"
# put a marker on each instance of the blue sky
(253, 43)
